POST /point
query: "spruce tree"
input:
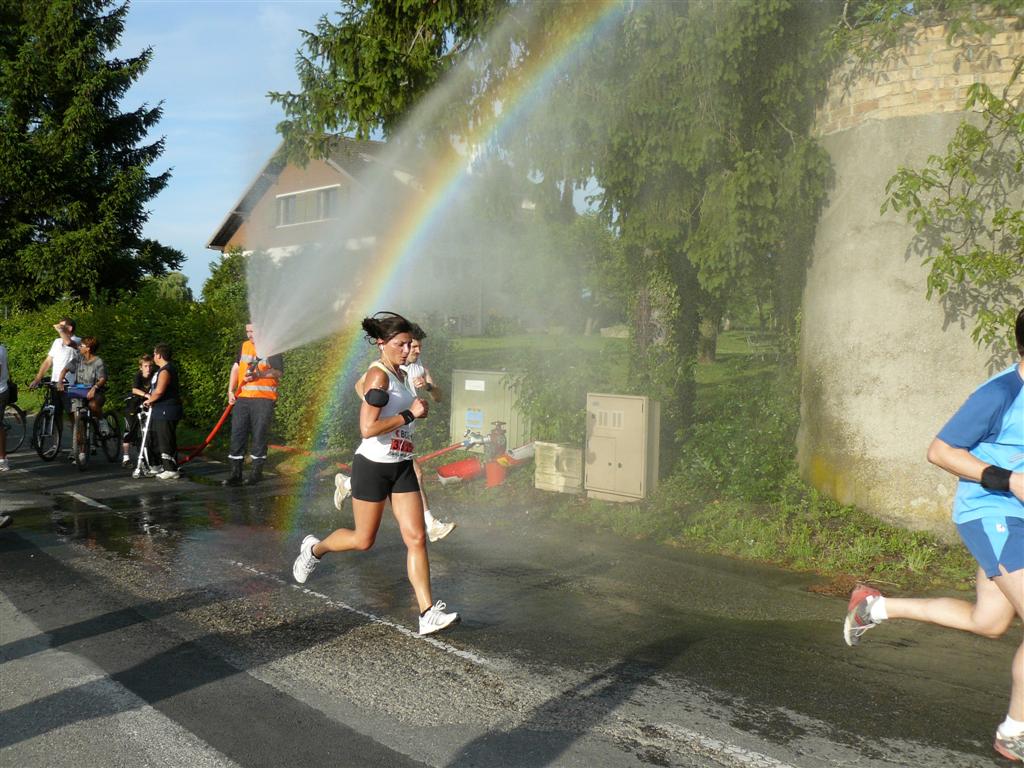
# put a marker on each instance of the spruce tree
(74, 182)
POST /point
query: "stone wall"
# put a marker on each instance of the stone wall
(928, 77)
(882, 367)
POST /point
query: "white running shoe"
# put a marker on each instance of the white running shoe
(168, 474)
(342, 488)
(438, 530)
(306, 562)
(4, 465)
(435, 619)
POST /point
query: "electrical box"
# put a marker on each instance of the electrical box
(480, 398)
(623, 434)
(558, 467)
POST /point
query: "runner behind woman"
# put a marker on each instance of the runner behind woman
(383, 468)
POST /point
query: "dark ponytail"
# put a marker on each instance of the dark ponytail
(385, 325)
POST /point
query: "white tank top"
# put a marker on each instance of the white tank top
(396, 445)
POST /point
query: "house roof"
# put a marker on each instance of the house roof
(350, 157)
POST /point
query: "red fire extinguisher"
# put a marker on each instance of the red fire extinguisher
(497, 444)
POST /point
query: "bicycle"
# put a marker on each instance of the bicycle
(88, 433)
(15, 425)
(48, 429)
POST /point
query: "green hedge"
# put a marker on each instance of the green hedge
(202, 338)
(206, 337)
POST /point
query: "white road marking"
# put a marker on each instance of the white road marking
(86, 500)
(708, 745)
(439, 644)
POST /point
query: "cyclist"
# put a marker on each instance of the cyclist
(4, 375)
(90, 379)
(140, 391)
(90, 374)
(62, 350)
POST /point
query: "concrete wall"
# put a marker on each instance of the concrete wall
(882, 369)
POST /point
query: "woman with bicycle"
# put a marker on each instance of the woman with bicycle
(90, 385)
(90, 376)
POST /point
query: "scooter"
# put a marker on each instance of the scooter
(142, 466)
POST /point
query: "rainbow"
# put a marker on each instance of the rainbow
(518, 96)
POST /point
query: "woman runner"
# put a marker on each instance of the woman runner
(383, 468)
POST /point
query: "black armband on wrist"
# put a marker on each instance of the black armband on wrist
(995, 478)
(407, 415)
(429, 387)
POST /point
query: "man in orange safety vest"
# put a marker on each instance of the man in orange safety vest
(252, 388)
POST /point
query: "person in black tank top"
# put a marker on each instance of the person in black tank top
(165, 412)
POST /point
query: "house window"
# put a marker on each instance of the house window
(308, 205)
(327, 203)
(286, 210)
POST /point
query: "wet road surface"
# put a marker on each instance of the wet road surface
(152, 623)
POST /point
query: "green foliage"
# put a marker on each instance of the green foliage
(73, 170)
(364, 71)
(742, 446)
(551, 391)
(127, 328)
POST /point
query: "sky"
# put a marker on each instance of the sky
(213, 63)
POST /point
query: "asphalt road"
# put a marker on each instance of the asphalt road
(146, 623)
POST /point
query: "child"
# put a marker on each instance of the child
(140, 391)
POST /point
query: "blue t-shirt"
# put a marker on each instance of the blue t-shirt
(991, 426)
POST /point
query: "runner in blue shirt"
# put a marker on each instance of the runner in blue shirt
(983, 446)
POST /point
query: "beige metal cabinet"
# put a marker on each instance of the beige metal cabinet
(623, 433)
(558, 467)
(482, 397)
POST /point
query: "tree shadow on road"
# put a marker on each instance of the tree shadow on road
(551, 728)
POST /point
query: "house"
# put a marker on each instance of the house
(287, 205)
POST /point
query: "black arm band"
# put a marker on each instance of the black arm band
(995, 478)
(407, 415)
(429, 387)
(378, 398)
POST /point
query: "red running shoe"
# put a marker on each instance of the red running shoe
(858, 613)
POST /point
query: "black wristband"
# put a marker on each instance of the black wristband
(407, 415)
(428, 386)
(995, 478)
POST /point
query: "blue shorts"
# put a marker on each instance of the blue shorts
(995, 541)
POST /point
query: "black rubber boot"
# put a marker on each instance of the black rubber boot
(236, 473)
(256, 474)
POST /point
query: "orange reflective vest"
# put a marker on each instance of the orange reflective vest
(265, 386)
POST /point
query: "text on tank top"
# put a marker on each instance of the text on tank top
(396, 445)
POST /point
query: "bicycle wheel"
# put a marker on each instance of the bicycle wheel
(80, 441)
(16, 425)
(46, 434)
(109, 441)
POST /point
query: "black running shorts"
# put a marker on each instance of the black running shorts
(376, 480)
